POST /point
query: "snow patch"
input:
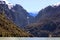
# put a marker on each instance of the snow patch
(10, 5)
(56, 4)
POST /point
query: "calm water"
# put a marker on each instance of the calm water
(23, 38)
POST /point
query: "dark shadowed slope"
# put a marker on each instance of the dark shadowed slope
(47, 23)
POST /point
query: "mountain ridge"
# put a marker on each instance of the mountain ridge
(46, 23)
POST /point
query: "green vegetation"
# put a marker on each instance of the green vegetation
(9, 29)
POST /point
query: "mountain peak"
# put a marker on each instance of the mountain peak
(2, 2)
(56, 4)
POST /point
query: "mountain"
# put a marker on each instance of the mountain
(47, 23)
(14, 19)
(33, 14)
(17, 14)
(9, 29)
(49, 11)
(20, 15)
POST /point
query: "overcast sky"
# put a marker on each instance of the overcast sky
(34, 5)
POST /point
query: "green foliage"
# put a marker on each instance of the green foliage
(9, 29)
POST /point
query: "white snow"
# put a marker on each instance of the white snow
(10, 5)
(56, 4)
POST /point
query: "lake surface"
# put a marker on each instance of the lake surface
(28, 38)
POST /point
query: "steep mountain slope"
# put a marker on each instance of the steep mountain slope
(49, 12)
(9, 29)
(17, 14)
(20, 15)
(47, 23)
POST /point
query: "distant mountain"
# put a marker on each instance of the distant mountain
(9, 29)
(33, 14)
(47, 23)
(31, 17)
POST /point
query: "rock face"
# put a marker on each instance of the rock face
(47, 23)
(49, 12)
(17, 14)
(12, 21)
(20, 15)
(9, 29)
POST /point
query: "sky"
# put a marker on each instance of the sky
(34, 5)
